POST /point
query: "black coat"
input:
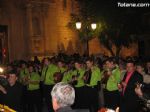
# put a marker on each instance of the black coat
(129, 101)
(69, 109)
(13, 96)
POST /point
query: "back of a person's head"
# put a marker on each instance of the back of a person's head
(64, 94)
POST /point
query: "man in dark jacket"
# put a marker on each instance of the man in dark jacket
(63, 96)
(129, 99)
(13, 92)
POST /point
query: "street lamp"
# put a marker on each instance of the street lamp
(78, 25)
(93, 26)
(86, 31)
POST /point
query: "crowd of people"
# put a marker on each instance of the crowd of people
(98, 81)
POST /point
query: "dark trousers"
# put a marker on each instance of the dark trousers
(34, 101)
(91, 98)
(47, 95)
(24, 99)
(112, 99)
(79, 98)
(130, 105)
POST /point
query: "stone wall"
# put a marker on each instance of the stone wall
(12, 16)
(39, 27)
(55, 36)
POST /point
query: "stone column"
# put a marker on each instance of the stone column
(29, 28)
(44, 10)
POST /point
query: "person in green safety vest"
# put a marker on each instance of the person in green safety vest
(61, 66)
(111, 93)
(47, 77)
(44, 68)
(33, 90)
(95, 75)
(48, 71)
(23, 73)
(23, 77)
(92, 78)
(58, 76)
(78, 74)
(67, 75)
(78, 82)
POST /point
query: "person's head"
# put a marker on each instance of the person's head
(30, 68)
(78, 64)
(140, 68)
(110, 63)
(23, 64)
(63, 95)
(46, 61)
(60, 63)
(130, 66)
(122, 66)
(89, 63)
(12, 77)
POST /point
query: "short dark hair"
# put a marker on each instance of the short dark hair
(131, 61)
(89, 59)
(78, 61)
(111, 59)
(13, 71)
(60, 60)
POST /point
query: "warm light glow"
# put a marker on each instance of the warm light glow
(1, 70)
(93, 26)
(78, 25)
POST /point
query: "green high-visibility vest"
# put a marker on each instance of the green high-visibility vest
(95, 76)
(34, 77)
(114, 79)
(49, 75)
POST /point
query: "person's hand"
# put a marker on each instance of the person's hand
(138, 90)
(3, 89)
(117, 109)
(119, 86)
(124, 84)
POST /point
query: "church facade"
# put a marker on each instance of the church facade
(39, 28)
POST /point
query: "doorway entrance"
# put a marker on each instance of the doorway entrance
(4, 54)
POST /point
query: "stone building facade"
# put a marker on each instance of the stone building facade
(39, 27)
